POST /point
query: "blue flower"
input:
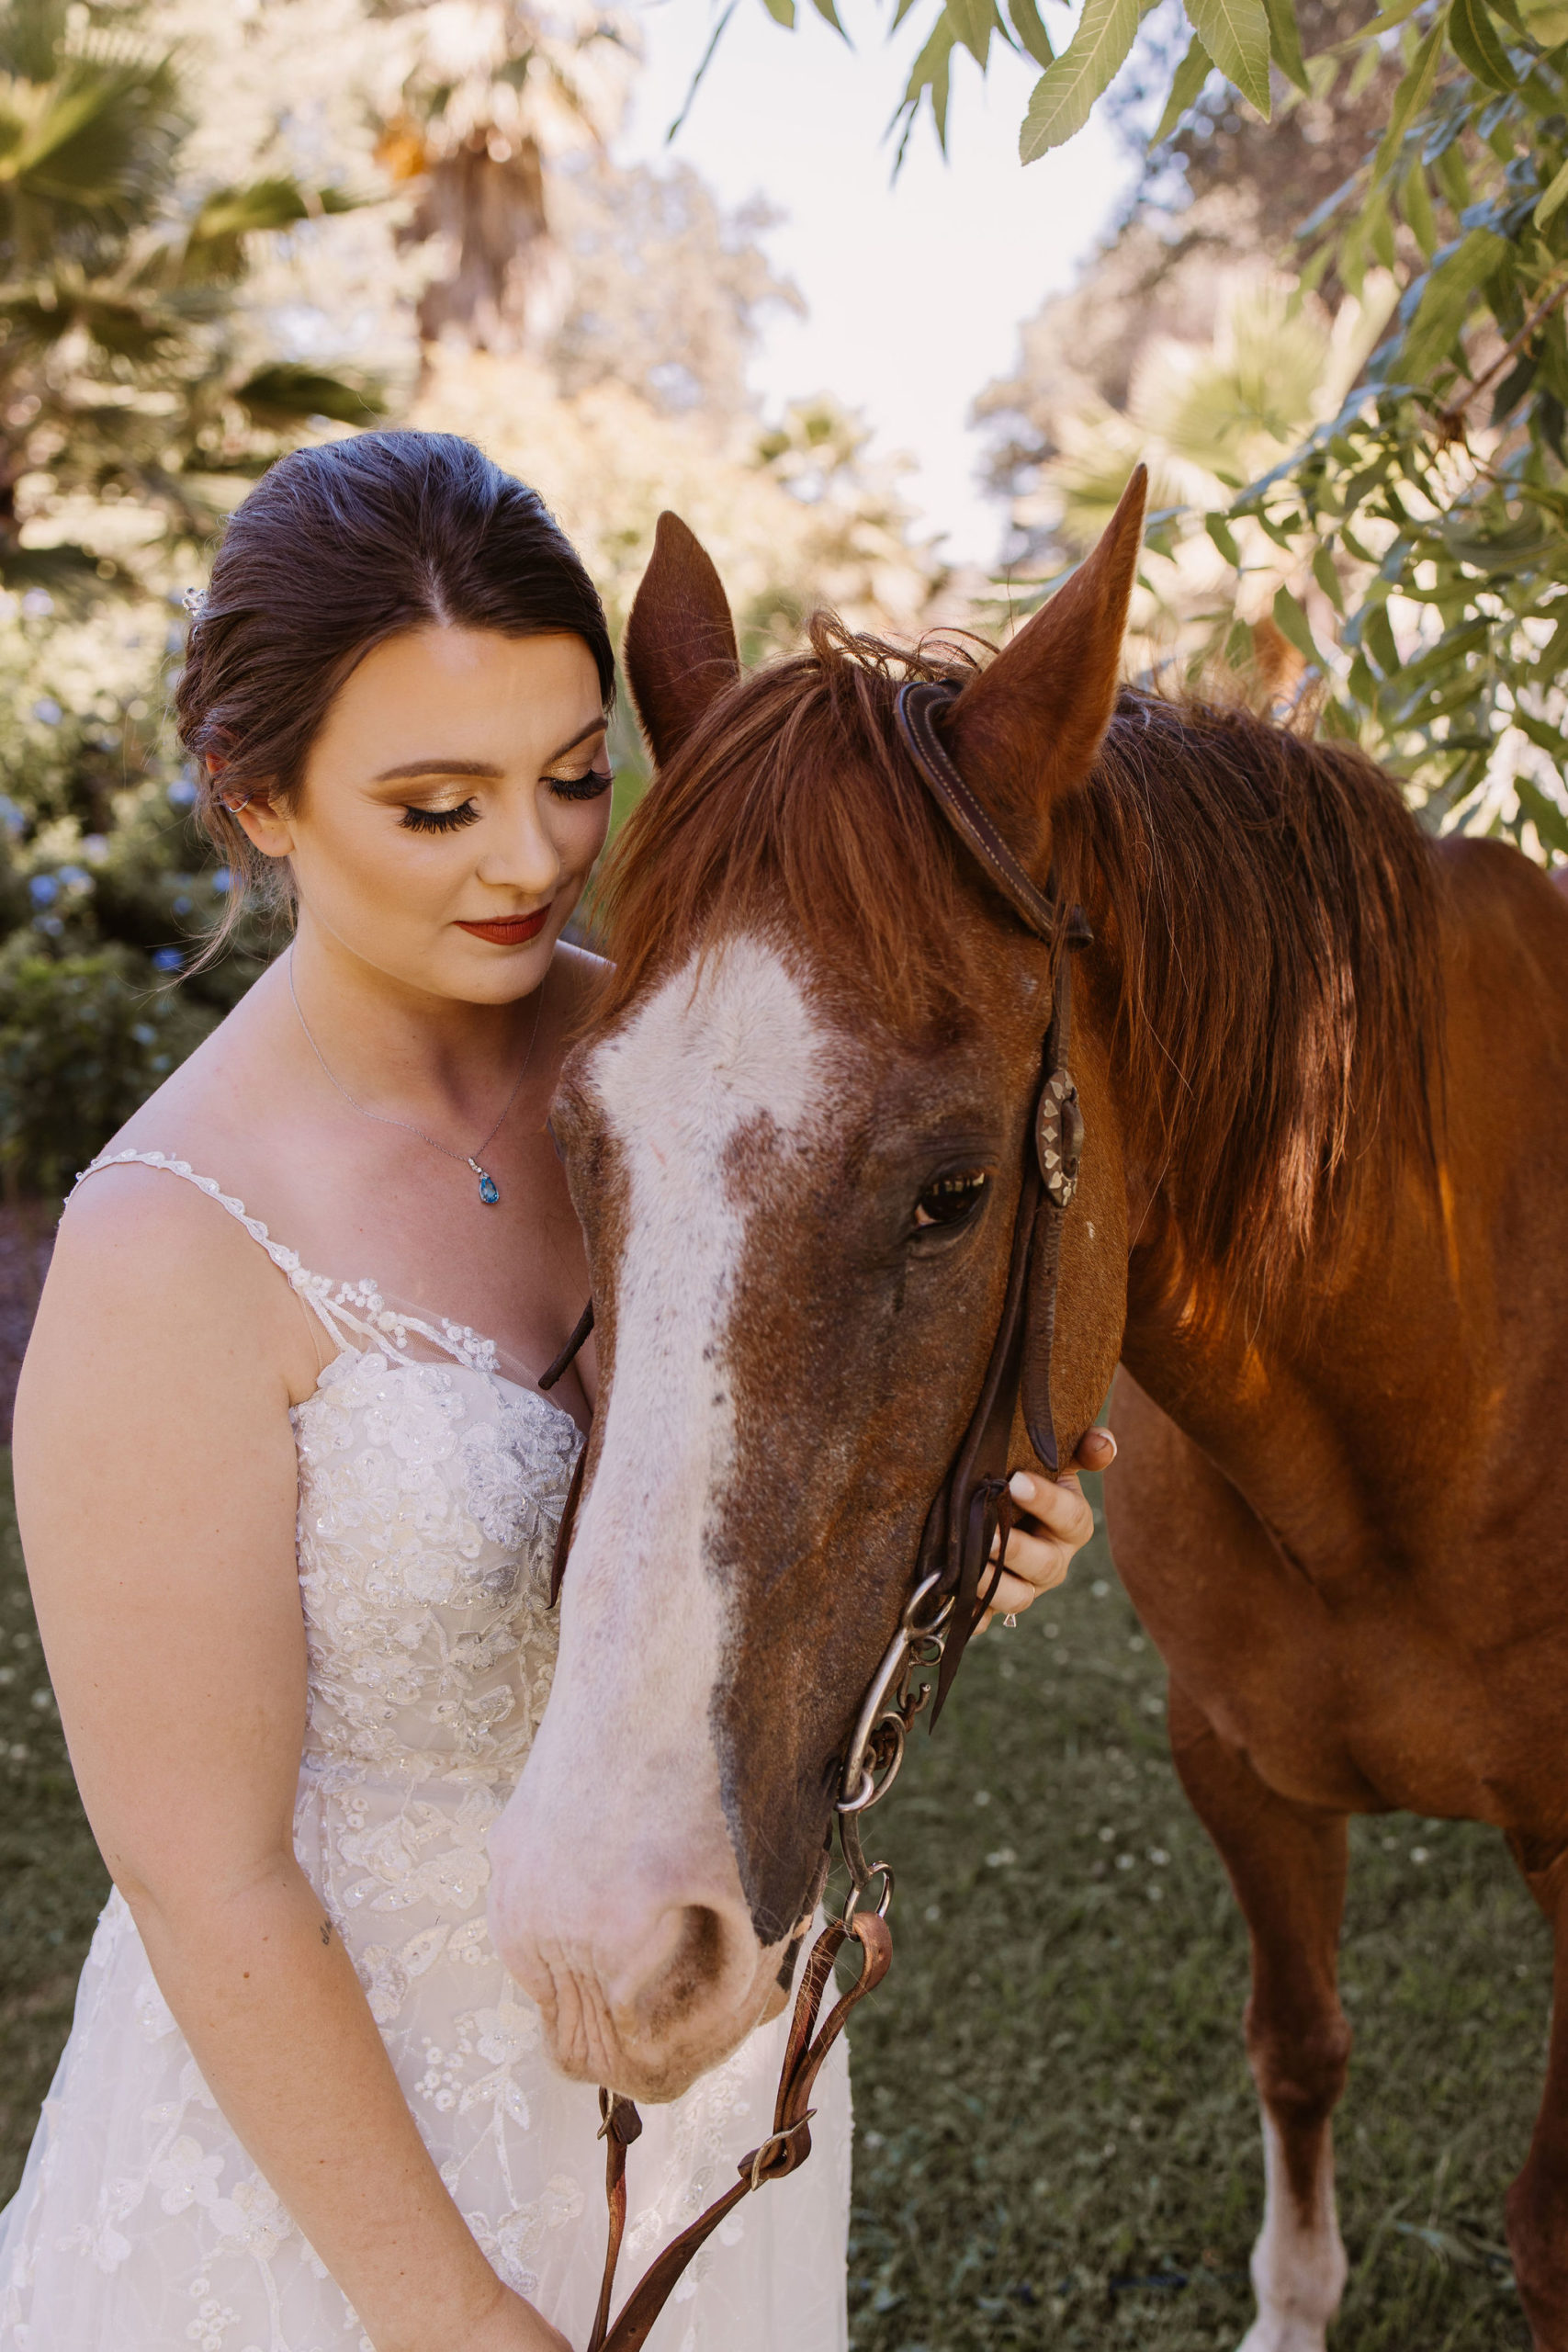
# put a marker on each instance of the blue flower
(74, 877)
(143, 1034)
(37, 602)
(222, 880)
(182, 792)
(14, 819)
(43, 890)
(168, 959)
(47, 710)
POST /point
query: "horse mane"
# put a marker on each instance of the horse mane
(1267, 904)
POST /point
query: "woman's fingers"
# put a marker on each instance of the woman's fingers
(1059, 1522)
(1097, 1451)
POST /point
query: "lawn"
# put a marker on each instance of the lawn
(1057, 2140)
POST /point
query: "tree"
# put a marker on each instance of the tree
(1433, 508)
(122, 379)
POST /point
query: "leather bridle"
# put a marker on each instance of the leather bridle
(967, 1531)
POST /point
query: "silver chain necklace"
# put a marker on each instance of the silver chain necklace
(489, 1191)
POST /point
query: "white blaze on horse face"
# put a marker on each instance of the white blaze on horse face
(616, 1834)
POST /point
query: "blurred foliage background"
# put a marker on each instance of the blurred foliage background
(228, 228)
(1332, 319)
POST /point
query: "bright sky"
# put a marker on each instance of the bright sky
(915, 291)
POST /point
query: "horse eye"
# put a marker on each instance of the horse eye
(951, 1199)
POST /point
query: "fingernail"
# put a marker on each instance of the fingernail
(1021, 1487)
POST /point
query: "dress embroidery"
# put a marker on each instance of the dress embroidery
(431, 1488)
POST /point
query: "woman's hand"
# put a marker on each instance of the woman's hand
(1055, 1523)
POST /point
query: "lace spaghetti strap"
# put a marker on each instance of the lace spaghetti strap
(355, 1314)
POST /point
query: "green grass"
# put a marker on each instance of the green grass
(1056, 2124)
(53, 1882)
(1057, 2138)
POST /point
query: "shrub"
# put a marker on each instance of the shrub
(84, 1039)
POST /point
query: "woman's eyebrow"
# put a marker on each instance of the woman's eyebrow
(437, 767)
(409, 769)
(594, 727)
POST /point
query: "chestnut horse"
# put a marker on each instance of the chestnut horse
(1322, 1222)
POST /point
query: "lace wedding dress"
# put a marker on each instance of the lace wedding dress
(430, 1491)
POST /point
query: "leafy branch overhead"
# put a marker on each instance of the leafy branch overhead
(1413, 548)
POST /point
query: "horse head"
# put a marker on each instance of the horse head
(794, 1136)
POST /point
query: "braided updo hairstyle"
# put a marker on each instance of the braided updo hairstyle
(336, 550)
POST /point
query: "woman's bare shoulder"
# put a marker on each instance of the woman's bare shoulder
(149, 1262)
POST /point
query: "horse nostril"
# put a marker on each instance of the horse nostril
(682, 1963)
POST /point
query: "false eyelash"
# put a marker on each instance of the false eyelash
(581, 788)
(439, 820)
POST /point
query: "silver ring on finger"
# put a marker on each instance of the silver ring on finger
(1010, 1620)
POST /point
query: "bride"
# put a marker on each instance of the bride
(289, 1530)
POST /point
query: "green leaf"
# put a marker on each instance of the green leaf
(1285, 42)
(1327, 579)
(1551, 201)
(826, 9)
(1071, 83)
(1236, 34)
(782, 13)
(1376, 227)
(1474, 40)
(974, 21)
(1026, 24)
(931, 71)
(1547, 21)
(1190, 76)
(287, 393)
(1545, 815)
(1416, 203)
(1292, 623)
(1383, 22)
(1448, 292)
(1413, 91)
(1224, 537)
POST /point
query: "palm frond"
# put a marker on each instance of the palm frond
(288, 394)
(215, 243)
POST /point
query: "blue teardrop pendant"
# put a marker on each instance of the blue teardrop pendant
(489, 1191)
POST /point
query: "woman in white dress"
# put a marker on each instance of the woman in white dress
(289, 1530)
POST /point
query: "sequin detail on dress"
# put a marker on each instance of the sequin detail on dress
(430, 1491)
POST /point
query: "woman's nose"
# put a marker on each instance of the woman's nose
(520, 855)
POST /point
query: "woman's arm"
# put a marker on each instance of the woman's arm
(156, 1488)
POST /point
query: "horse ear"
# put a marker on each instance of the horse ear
(680, 649)
(1029, 727)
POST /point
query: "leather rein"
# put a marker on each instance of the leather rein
(973, 1510)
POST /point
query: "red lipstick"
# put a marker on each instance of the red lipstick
(510, 931)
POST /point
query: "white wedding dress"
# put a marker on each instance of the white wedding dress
(430, 1491)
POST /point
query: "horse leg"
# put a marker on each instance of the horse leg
(1537, 2202)
(1287, 1864)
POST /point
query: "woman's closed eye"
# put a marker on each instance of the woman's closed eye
(439, 820)
(586, 787)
